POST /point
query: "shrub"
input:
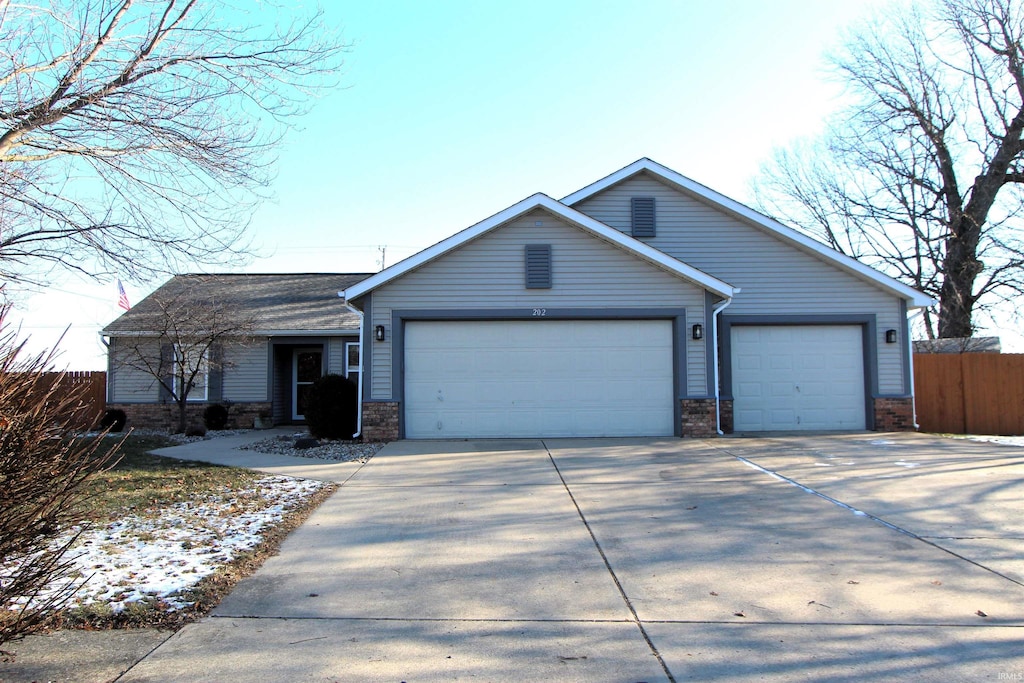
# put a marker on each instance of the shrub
(42, 471)
(215, 417)
(114, 419)
(331, 407)
(195, 430)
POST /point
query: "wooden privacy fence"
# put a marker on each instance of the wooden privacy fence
(970, 393)
(94, 393)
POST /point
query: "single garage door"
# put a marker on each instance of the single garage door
(537, 378)
(797, 377)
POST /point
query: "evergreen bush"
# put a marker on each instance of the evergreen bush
(331, 406)
(215, 417)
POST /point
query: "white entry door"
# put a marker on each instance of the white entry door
(538, 378)
(797, 377)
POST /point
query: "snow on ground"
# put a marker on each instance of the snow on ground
(136, 558)
(1005, 440)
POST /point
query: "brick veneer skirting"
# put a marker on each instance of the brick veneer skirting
(380, 421)
(698, 417)
(165, 415)
(894, 414)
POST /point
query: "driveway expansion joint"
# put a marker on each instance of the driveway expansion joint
(608, 566)
(861, 513)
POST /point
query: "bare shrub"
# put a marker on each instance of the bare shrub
(42, 503)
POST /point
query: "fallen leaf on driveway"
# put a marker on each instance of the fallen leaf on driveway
(981, 614)
(738, 614)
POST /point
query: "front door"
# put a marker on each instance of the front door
(307, 367)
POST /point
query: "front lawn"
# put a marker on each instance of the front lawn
(169, 538)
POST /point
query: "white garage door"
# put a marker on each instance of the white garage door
(794, 377)
(538, 378)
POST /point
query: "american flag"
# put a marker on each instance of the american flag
(122, 298)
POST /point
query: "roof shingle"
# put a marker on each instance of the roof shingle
(293, 302)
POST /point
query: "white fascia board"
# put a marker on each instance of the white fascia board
(538, 201)
(915, 298)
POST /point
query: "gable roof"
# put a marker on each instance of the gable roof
(808, 244)
(568, 214)
(299, 303)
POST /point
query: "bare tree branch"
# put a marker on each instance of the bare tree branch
(922, 170)
(137, 136)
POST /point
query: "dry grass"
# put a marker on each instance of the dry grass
(143, 484)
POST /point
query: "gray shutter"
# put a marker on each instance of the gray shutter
(538, 266)
(215, 378)
(166, 371)
(643, 216)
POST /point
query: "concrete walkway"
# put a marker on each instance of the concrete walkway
(621, 560)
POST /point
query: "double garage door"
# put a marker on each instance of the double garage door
(536, 378)
(798, 377)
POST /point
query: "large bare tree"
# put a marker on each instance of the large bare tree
(183, 348)
(921, 173)
(137, 136)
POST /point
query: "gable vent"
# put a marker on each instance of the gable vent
(538, 266)
(643, 216)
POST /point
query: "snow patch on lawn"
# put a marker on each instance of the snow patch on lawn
(138, 558)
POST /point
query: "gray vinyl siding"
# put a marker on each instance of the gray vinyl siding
(336, 354)
(487, 273)
(130, 384)
(775, 277)
(245, 377)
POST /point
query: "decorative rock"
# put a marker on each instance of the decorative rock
(305, 442)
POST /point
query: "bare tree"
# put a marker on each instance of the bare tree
(187, 327)
(921, 174)
(137, 135)
(42, 472)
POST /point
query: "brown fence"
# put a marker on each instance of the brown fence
(94, 393)
(970, 393)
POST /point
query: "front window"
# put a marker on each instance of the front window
(191, 365)
(352, 364)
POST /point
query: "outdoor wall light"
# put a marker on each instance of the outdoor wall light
(698, 331)
(890, 336)
(378, 333)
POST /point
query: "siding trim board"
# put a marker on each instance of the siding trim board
(366, 350)
(869, 345)
(904, 341)
(676, 315)
(710, 352)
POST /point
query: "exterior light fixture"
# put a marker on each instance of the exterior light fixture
(378, 333)
(698, 331)
(890, 336)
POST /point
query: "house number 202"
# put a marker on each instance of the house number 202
(540, 312)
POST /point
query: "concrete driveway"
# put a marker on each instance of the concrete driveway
(638, 560)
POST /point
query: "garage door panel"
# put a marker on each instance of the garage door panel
(792, 377)
(538, 378)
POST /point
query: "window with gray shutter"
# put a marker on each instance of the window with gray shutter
(538, 266)
(643, 216)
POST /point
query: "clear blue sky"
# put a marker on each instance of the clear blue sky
(451, 111)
